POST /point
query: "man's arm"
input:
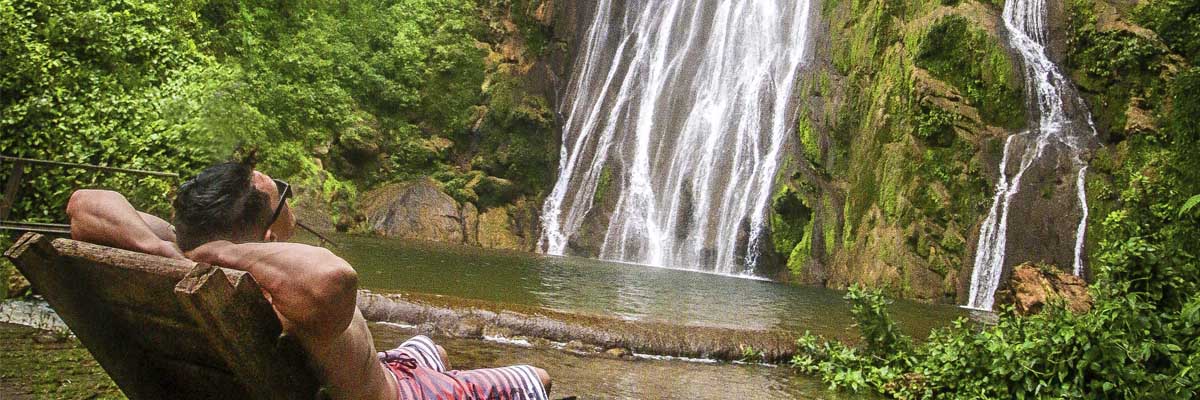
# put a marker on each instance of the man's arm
(106, 218)
(314, 292)
(163, 229)
(310, 287)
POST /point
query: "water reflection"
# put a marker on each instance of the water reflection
(597, 287)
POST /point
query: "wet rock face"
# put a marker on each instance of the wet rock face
(1044, 215)
(470, 220)
(511, 227)
(1032, 287)
(417, 210)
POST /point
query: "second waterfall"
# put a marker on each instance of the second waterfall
(1053, 149)
(677, 115)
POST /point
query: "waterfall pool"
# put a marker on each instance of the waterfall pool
(631, 292)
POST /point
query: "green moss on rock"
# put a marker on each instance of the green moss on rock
(911, 103)
(789, 217)
(978, 66)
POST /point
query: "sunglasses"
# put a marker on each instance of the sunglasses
(285, 191)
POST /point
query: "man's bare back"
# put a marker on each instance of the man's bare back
(225, 217)
(312, 290)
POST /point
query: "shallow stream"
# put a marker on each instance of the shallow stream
(631, 292)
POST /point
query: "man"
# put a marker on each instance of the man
(235, 217)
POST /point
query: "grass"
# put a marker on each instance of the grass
(38, 365)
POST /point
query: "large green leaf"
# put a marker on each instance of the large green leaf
(1189, 205)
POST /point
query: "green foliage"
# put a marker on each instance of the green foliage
(1174, 21)
(1189, 205)
(978, 66)
(1112, 66)
(603, 185)
(517, 140)
(522, 12)
(87, 81)
(6, 270)
(808, 141)
(802, 253)
(750, 354)
(1141, 338)
(882, 337)
(935, 126)
(886, 351)
(336, 96)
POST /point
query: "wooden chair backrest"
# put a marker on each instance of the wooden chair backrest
(164, 328)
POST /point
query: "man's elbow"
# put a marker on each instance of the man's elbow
(341, 281)
(334, 297)
(84, 201)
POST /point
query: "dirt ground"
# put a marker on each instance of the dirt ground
(39, 365)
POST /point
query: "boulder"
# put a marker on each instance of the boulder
(1033, 286)
(414, 210)
(619, 352)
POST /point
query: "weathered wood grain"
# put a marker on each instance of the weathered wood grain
(244, 330)
(165, 328)
(50, 274)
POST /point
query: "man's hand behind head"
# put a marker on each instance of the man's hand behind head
(312, 288)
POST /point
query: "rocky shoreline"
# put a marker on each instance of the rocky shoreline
(463, 318)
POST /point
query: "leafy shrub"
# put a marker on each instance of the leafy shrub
(335, 96)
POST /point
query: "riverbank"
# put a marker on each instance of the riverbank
(36, 364)
(585, 334)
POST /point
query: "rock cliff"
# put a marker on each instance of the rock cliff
(900, 131)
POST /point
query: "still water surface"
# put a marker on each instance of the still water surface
(632, 292)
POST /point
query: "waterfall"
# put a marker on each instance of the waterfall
(1049, 90)
(685, 107)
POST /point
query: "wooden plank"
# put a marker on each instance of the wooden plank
(181, 339)
(11, 188)
(243, 329)
(21, 245)
(131, 289)
(211, 335)
(198, 382)
(129, 366)
(130, 279)
(167, 267)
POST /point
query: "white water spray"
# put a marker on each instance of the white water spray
(1046, 86)
(687, 104)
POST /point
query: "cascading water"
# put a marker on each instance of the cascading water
(685, 106)
(1055, 130)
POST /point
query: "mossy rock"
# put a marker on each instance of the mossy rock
(978, 65)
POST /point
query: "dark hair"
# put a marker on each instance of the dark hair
(221, 204)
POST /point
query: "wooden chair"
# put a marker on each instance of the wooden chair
(167, 329)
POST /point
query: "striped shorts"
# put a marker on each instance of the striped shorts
(421, 375)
